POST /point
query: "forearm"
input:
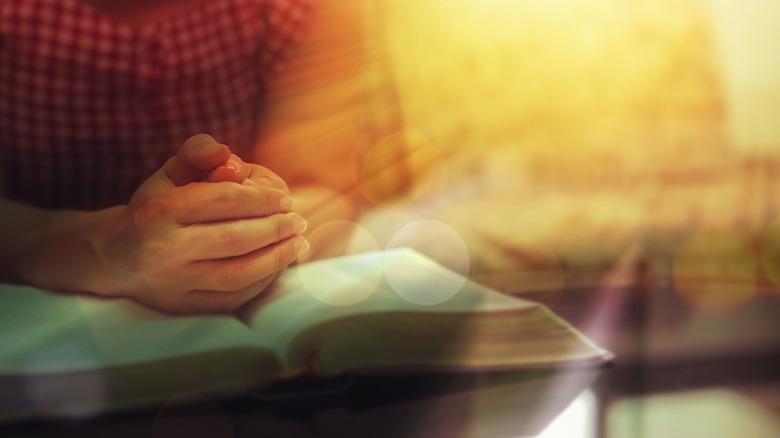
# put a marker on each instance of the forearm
(180, 245)
(51, 248)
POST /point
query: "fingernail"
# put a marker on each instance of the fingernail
(301, 245)
(286, 203)
(230, 167)
(213, 147)
(299, 224)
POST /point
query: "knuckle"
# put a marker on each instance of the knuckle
(231, 238)
(283, 255)
(221, 202)
(234, 279)
(279, 257)
(231, 195)
(266, 200)
(267, 178)
(282, 225)
(221, 196)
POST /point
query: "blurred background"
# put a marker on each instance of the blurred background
(616, 160)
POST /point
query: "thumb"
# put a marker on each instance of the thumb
(197, 155)
(233, 170)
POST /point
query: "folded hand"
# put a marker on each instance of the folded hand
(186, 245)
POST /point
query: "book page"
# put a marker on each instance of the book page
(42, 332)
(318, 294)
(306, 294)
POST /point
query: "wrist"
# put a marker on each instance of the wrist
(109, 246)
(69, 254)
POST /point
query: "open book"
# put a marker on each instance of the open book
(385, 313)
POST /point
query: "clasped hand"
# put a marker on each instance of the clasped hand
(205, 233)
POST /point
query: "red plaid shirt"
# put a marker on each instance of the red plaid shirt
(90, 107)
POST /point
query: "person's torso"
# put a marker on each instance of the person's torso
(90, 107)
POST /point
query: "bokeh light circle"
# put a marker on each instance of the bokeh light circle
(770, 252)
(335, 239)
(716, 270)
(404, 166)
(439, 242)
(528, 270)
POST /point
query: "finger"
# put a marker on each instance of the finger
(210, 202)
(239, 272)
(234, 170)
(209, 301)
(219, 240)
(197, 155)
(264, 177)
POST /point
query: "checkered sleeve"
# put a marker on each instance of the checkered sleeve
(286, 23)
